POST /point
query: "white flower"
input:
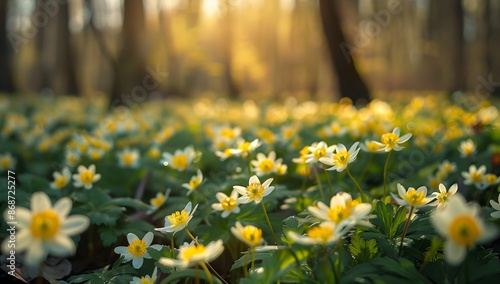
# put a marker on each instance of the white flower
(474, 176)
(255, 191)
(158, 201)
(412, 197)
(180, 160)
(447, 167)
(7, 162)
(342, 210)
(341, 158)
(137, 249)
(317, 151)
(489, 180)
(325, 233)
(61, 179)
(128, 158)
(145, 279)
(460, 225)
(467, 148)
(45, 229)
(250, 235)
(194, 182)
(195, 253)
(86, 177)
(392, 141)
(443, 196)
(178, 220)
(228, 204)
(265, 165)
(245, 147)
(496, 206)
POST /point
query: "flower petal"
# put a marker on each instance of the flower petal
(40, 201)
(453, 253)
(75, 224)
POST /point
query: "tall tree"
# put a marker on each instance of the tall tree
(350, 83)
(6, 78)
(65, 55)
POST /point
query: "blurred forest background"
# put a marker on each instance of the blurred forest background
(270, 49)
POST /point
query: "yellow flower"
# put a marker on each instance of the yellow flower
(195, 253)
(194, 182)
(61, 179)
(137, 249)
(391, 141)
(255, 191)
(145, 279)
(228, 204)
(412, 197)
(370, 146)
(467, 148)
(341, 158)
(245, 147)
(86, 177)
(250, 235)
(460, 224)
(45, 229)
(178, 220)
(318, 151)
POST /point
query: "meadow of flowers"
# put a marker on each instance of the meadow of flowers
(239, 192)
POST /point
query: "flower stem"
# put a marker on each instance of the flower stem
(253, 258)
(405, 228)
(319, 183)
(363, 198)
(172, 245)
(191, 236)
(385, 173)
(209, 275)
(329, 182)
(269, 222)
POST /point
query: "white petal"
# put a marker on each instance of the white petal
(61, 246)
(404, 138)
(63, 206)
(495, 205)
(35, 254)
(40, 201)
(220, 196)
(495, 214)
(75, 224)
(401, 190)
(453, 253)
(23, 217)
(243, 200)
(253, 179)
(137, 262)
(217, 206)
(268, 190)
(131, 237)
(240, 189)
(267, 182)
(188, 207)
(121, 250)
(148, 238)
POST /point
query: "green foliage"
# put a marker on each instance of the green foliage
(362, 250)
(116, 275)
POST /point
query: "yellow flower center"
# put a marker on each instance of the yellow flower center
(145, 280)
(60, 181)
(266, 165)
(137, 248)
(191, 251)
(228, 203)
(255, 191)
(464, 230)
(128, 158)
(319, 152)
(448, 168)
(443, 197)
(5, 162)
(252, 235)
(321, 233)
(245, 147)
(95, 155)
(468, 149)
(180, 161)
(338, 213)
(154, 153)
(227, 133)
(341, 159)
(83, 148)
(87, 177)
(415, 198)
(390, 139)
(304, 151)
(178, 218)
(194, 182)
(303, 170)
(490, 178)
(45, 224)
(476, 177)
(158, 200)
(372, 146)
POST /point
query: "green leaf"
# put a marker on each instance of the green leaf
(190, 273)
(362, 250)
(129, 202)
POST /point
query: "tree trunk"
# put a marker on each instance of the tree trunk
(66, 57)
(6, 80)
(459, 62)
(350, 83)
